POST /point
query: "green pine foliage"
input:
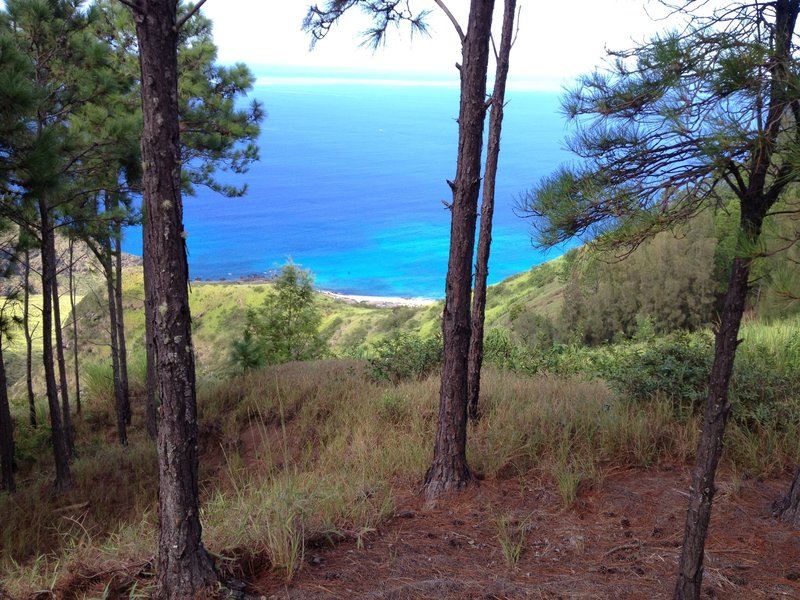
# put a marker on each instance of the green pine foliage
(668, 280)
(286, 327)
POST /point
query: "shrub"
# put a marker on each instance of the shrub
(534, 329)
(248, 353)
(402, 356)
(285, 327)
(676, 368)
(502, 351)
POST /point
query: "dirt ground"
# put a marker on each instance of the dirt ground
(619, 541)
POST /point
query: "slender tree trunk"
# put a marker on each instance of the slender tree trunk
(701, 493)
(26, 327)
(6, 430)
(487, 210)
(122, 349)
(103, 253)
(449, 469)
(119, 400)
(72, 302)
(709, 450)
(755, 203)
(69, 430)
(63, 475)
(152, 420)
(185, 568)
(788, 509)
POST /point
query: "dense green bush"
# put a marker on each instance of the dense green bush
(285, 327)
(669, 279)
(532, 328)
(675, 368)
(501, 350)
(401, 356)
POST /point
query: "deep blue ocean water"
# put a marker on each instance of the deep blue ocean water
(351, 184)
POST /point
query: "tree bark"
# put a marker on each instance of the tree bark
(6, 430)
(69, 430)
(449, 469)
(72, 301)
(487, 210)
(63, 475)
(26, 327)
(185, 568)
(103, 252)
(702, 490)
(788, 509)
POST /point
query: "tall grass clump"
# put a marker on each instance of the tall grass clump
(325, 447)
(780, 339)
(570, 426)
(97, 382)
(44, 536)
(512, 535)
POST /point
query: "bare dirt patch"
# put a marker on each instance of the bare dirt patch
(618, 541)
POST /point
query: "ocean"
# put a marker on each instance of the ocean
(351, 185)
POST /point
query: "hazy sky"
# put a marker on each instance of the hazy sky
(557, 40)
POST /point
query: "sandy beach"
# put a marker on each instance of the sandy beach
(380, 301)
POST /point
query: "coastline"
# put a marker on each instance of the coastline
(376, 301)
(379, 301)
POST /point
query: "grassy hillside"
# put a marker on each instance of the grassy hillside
(304, 454)
(14, 348)
(668, 284)
(307, 454)
(219, 310)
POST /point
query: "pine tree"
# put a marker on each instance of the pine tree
(688, 120)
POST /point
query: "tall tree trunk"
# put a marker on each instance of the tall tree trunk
(6, 430)
(709, 450)
(119, 399)
(788, 509)
(26, 327)
(63, 475)
(487, 210)
(69, 430)
(185, 569)
(449, 469)
(150, 355)
(122, 349)
(72, 301)
(103, 253)
(755, 203)
(701, 493)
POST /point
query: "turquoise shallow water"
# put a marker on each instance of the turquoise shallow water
(351, 185)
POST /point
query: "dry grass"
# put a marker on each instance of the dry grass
(314, 452)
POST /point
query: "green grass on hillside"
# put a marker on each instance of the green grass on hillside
(219, 310)
(14, 349)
